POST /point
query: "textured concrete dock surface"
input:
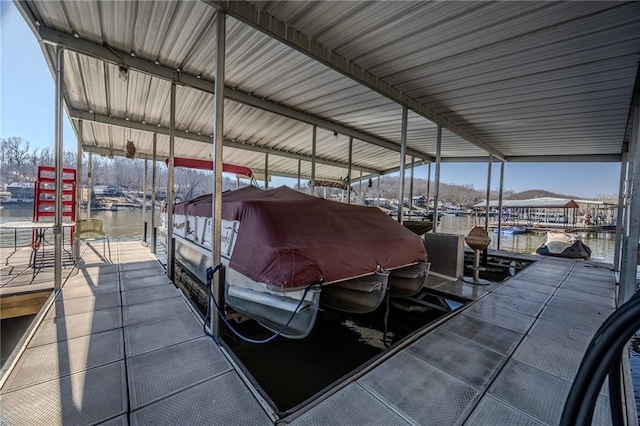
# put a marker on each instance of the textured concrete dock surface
(120, 345)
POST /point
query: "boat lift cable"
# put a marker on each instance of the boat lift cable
(210, 272)
(601, 358)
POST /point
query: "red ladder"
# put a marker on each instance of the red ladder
(44, 199)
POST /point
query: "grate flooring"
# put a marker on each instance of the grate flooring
(120, 338)
(121, 347)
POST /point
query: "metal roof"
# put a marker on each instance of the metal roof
(533, 203)
(527, 81)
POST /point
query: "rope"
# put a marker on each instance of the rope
(210, 272)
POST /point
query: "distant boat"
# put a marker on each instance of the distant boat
(562, 244)
(510, 230)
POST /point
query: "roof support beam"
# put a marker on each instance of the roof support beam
(110, 55)
(273, 27)
(129, 124)
(584, 158)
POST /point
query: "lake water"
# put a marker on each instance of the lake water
(127, 224)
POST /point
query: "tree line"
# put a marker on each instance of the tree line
(19, 162)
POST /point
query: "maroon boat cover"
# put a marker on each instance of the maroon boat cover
(288, 239)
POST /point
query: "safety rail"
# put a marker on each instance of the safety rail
(603, 357)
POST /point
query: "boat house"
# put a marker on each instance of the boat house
(337, 91)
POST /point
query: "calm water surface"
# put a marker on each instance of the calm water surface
(127, 224)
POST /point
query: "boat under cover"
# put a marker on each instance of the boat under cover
(562, 244)
(276, 243)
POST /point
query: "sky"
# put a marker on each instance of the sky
(27, 94)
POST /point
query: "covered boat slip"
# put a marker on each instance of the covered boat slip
(324, 90)
(121, 346)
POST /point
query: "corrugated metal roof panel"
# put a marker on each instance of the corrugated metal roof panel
(532, 78)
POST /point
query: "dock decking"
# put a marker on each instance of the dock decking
(120, 345)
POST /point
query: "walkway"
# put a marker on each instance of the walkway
(121, 345)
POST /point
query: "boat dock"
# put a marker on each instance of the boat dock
(120, 345)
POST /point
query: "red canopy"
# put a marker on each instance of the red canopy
(289, 239)
(191, 163)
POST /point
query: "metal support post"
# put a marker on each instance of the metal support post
(487, 205)
(500, 201)
(266, 171)
(299, 173)
(89, 183)
(628, 271)
(153, 194)
(350, 163)
(436, 191)
(314, 141)
(144, 199)
(57, 227)
(621, 207)
(486, 222)
(76, 244)
(218, 133)
(428, 184)
(360, 187)
(403, 154)
(170, 183)
(413, 160)
(378, 193)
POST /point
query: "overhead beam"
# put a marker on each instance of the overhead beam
(273, 27)
(583, 158)
(144, 127)
(108, 54)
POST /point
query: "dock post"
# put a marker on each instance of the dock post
(434, 217)
(500, 194)
(144, 232)
(217, 285)
(153, 194)
(403, 154)
(57, 228)
(349, 171)
(314, 142)
(170, 183)
(76, 244)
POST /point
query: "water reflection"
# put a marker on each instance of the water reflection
(127, 224)
(119, 225)
(602, 245)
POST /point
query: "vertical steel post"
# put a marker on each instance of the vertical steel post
(500, 201)
(360, 187)
(350, 163)
(413, 160)
(266, 171)
(299, 173)
(486, 222)
(89, 183)
(629, 268)
(378, 193)
(170, 183)
(436, 190)
(314, 141)
(144, 198)
(76, 244)
(218, 133)
(428, 185)
(57, 227)
(403, 154)
(153, 193)
(621, 208)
